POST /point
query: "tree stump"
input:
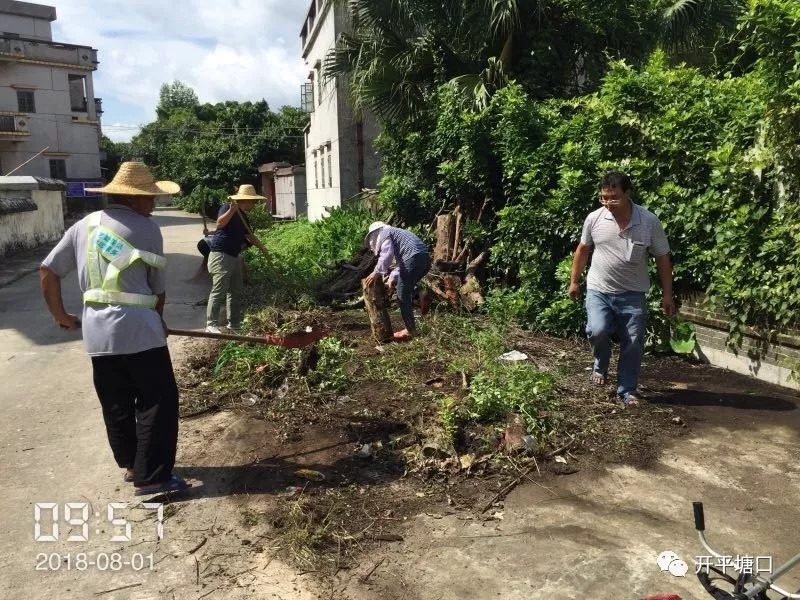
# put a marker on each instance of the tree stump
(376, 301)
(445, 237)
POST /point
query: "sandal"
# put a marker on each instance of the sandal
(631, 399)
(598, 378)
(173, 484)
(402, 336)
(127, 478)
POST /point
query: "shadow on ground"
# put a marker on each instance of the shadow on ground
(727, 400)
(277, 471)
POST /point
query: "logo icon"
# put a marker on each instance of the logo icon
(669, 561)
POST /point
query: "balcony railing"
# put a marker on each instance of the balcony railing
(42, 50)
(7, 124)
(14, 125)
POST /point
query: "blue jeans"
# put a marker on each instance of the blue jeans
(625, 314)
(410, 275)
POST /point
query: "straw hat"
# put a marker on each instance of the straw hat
(135, 179)
(247, 192)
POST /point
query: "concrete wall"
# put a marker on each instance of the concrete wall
(770, 361)
(324, 126)
(53, 124)
(332, 140)
(26, 26)
(25, 230)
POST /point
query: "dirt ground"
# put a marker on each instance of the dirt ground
(392, 527)
(282, 505)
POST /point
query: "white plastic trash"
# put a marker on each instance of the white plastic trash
(513, 356)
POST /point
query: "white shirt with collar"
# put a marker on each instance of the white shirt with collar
(619, 260)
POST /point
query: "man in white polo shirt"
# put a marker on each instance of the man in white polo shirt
(619, 236)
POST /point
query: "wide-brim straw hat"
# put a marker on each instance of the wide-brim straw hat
(247, 192)
(135, 179)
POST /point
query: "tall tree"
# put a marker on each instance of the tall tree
(690, 23)
(217, 145)
(398, 51)
(175, 95)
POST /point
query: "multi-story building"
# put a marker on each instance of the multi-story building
(340, 158)
(46, 101)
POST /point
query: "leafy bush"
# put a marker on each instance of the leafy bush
(501, 389)
(203, 200)
(330, 375)
(300, 251)
(260, 217)
(715, 157)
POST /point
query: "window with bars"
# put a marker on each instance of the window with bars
(319, 84)
(322, 160)
(58, 168)
(330, 170)
(8, 124)
(307, 97)
(316, 173)
(25, 101)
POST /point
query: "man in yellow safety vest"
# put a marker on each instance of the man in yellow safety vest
(119, 255)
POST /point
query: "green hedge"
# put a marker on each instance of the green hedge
(717, 158)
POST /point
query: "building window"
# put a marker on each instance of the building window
(319, 84)
(77, 92)
(58, 168)
(307, 97)
(322, 161)
(316, 173)
(25, 101)
(330, 170)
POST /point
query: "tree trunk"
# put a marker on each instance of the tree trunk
(457, 236)
(445, 234)
(376, 301)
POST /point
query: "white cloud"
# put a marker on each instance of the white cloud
(224, 49)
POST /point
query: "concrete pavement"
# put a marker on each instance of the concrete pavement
(53, 450)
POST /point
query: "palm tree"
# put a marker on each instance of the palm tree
(692, 23)
(399, 50)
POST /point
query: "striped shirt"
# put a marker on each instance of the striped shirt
(619, 260)
(400, 245)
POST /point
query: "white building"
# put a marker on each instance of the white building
(47, 101)
(340, 158)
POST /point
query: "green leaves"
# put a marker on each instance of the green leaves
(216, 145)
(682, 340)
(502, 389)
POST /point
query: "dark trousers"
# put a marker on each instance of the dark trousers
(410, 275)
(139, 397)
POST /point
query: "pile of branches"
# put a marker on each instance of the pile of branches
(452, 278)
(343, 283)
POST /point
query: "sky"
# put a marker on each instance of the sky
(224, 49)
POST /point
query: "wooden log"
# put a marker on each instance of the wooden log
(470, 293)
(376, 301)
(452, 283)
(445, 232)
(457, 235)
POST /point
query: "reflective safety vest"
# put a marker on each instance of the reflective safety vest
(104, 244)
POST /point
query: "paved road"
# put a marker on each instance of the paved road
(52, 441)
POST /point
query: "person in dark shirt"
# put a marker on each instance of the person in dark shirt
(225, 261)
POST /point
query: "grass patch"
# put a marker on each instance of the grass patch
(312, 534)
